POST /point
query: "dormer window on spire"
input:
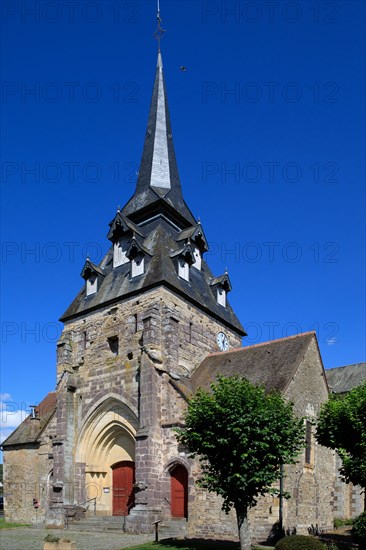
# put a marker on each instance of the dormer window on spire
(195, 236)
(197, 258)
(136, 253)
(138, 265)
(221, 296)
(92, 284)
(186, 258)
(221, 286)
(119, 252)
(93, 276)
(120, 232)
(183, 269)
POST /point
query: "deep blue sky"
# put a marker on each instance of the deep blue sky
(274, 93)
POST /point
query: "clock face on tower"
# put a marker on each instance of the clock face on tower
(222, 341)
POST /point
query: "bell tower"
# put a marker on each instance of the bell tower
(145, 317)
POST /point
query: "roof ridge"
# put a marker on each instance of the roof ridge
(347, 366)
(300, 335)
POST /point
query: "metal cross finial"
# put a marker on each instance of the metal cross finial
(158, 34)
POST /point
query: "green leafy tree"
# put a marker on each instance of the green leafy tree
(241, 436)
(342, 427)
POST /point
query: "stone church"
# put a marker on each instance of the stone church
(151, 325)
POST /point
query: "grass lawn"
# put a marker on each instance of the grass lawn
(7, 525)
(186, 545)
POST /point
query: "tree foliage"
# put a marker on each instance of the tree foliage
(359, 529)
(342, 427)
(241, 435)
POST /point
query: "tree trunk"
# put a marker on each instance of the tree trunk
(243, 527)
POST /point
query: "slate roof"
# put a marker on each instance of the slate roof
(195, 231)
(88, 268)
(30, 429)
(157, 221)
(158, 148)
(120, 223)
(344, 379)
(272, 364)
(163, 228)
(160, 269)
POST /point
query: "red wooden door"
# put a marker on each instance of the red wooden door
(179, 492)
(123, 480)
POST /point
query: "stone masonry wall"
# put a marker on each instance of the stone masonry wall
(348, 498)
(26, 477)
(159, 330)
(311, 485)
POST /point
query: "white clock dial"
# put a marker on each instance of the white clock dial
(222, 341)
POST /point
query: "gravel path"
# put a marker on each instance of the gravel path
(30, 538)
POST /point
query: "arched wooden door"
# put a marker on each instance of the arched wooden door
(123, 480)
(179, 492)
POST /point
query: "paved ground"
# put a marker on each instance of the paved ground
(29, 538)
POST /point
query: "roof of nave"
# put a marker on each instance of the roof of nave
(30, 430)
(344, 379)
(272, 364)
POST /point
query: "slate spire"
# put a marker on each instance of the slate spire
(158, 188)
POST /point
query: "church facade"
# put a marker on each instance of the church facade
(150, 326)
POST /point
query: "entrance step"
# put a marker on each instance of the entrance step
(99, 523)
(174, 528)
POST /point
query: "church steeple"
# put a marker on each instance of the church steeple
(156, 240)
(160, 166)
(158, 188)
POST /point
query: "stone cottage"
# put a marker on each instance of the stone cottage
(150, 325)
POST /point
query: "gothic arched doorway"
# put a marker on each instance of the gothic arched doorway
(123, 475)
(106, 443)
(179, 492)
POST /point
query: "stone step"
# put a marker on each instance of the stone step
(167, 529)
(95, 528)
(101, 519)
(98, 523)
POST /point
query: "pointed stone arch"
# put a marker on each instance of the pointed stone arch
(106, 438)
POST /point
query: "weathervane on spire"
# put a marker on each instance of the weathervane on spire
(159, 30)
